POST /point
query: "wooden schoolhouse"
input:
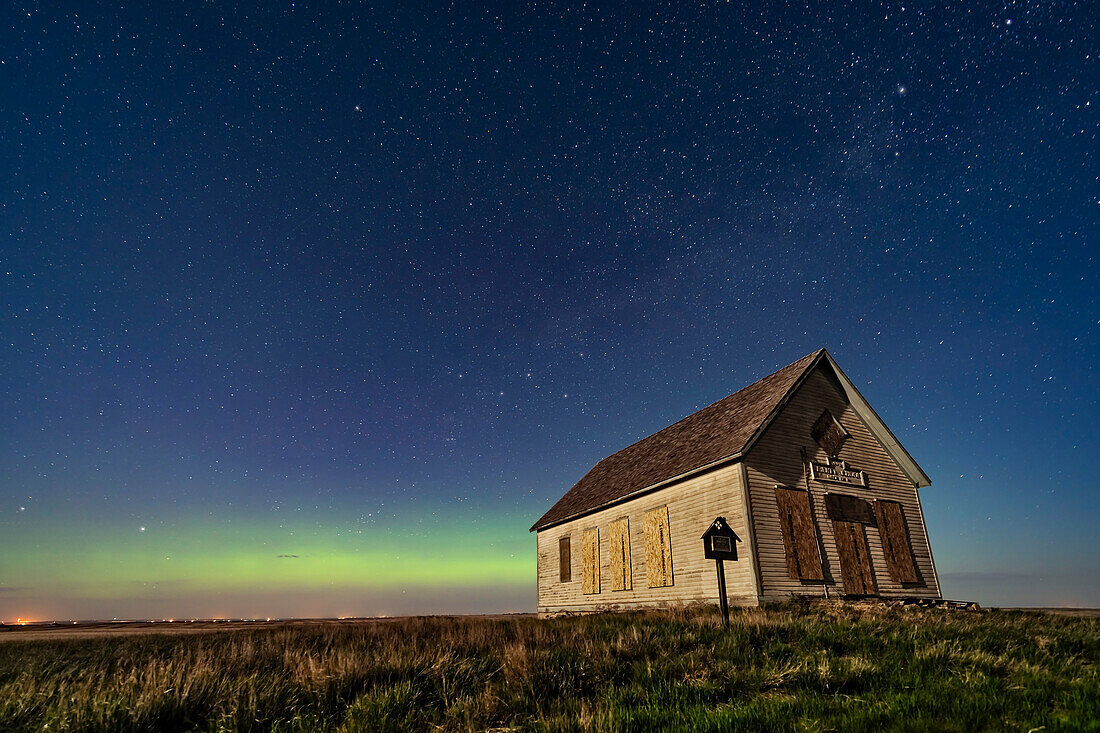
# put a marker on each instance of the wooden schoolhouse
(821, 495)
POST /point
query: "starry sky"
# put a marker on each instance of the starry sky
(311, 309)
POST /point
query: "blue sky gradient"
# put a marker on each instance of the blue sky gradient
(327, 305)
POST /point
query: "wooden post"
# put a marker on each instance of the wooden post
(720, 544)
(722, 600)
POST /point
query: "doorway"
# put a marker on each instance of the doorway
(855, 560)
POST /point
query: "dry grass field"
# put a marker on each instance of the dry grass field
(797, 667)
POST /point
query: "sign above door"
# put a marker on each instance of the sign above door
(835, 471)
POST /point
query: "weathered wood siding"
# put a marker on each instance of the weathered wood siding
(692, 506)
(775, 459)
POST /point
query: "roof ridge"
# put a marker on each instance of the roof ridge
(712, 404)
(693, 441)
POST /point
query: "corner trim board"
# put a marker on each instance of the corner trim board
(746, 497)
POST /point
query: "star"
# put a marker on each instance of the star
(652, 223)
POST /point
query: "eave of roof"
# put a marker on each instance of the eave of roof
(540, 525)
(878, 428)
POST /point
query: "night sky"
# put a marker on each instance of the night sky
(312, 309)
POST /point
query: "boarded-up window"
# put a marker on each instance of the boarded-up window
(658, 548)
(799, 538)
(894, 532)
(618, 545)
(829, 433)
(590, 560)
(845, 508)
(565, 562)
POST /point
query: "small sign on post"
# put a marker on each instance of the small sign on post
(720, 544)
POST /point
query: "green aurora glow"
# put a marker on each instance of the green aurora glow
(180, 562)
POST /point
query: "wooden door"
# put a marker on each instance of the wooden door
(855, 560)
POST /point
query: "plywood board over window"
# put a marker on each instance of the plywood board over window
(855, 559)
(799, 537)
(658, 548)
(618, 540)
(845, 508)
(829, 433)
(565, 561)
(590, 560)
(894, 533)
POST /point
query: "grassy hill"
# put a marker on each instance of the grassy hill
(797, 667)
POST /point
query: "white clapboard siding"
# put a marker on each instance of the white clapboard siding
(692, 506)
(775, 459)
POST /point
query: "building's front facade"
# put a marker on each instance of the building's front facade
(820, 492)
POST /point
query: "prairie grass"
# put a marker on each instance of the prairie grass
(790, 668)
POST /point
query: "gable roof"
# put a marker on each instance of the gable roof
(718, 432)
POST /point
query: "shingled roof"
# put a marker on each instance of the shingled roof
(721, 430)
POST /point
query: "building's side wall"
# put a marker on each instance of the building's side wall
(775, 459)
(692, 506)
